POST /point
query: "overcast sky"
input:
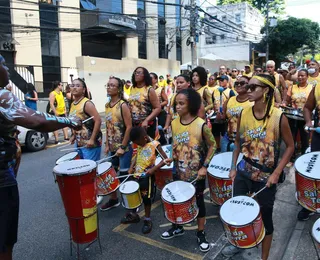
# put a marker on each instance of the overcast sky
(304, 9)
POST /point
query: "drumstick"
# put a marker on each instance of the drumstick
(157, 149)
(256, 193)
(88, 119)
(232, 189)
(123, 176)
(317, 129)
(106, 158)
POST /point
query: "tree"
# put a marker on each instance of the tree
(275, 6)
(290, 35)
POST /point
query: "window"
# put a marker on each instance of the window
(142, 44)
(224, 18)
(178, 31)
(50, 2)
(222, 37)
(112, 6)
(87, 4)
(238, 18)
(161, 30)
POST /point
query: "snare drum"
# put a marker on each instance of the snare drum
(164, 175)
(242, 221)
(293, 113)
(316, 231)
(307, 168)
(68, 157)
(220, 185)
(130, 194)
(76, 180)
(107, 181)
(179, 202)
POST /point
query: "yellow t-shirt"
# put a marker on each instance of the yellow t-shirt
(162, 83)
(139, 104)
(146, 158)
(315, 81)
(127, 90)
(317, 98)
(299, 95)
(61, 107)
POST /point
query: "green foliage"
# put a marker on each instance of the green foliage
(292, 34)
(275, 6)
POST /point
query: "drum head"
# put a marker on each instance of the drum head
(129, 187)
(220, 165)
(316, 230)
(103, 167)
(308, 165)
(67, 157)
(167, 150)
(239, 211)
(75, 167)
(178, 192)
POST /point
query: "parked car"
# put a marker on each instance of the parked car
(33, 140)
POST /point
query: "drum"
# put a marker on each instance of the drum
(107, 181)
(293, 113)
(220, 185)
(68, 157)
(307, 168)
(76, 180)
(164, 175)
(130, 194)
(242, 221)
(179, 202)
(316, 231)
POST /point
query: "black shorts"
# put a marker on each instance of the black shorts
(315, 142)
(9, 215)
(200, 187)
(266, 198)
(146, 188)
(218, 129)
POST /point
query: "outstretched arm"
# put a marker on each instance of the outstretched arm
(12, 109)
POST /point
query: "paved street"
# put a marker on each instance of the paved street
(44, 233)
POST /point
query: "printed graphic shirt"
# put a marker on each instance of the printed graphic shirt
(205, 95)
(225, 95)
(188, 148)
(299, 95)
(84, 135)
(158, 91)
(234, 109)
(10, 150)
(260, 145)
(146, 158)
(139, 104)
(314, 81)
(115, 125)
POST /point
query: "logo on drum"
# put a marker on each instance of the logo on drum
(312, 163)
(222, 192)
(192, 209)
(243, 202)
(220, 168)
(238, 235)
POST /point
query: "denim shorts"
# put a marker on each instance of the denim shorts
(90, 153)
(123, 162)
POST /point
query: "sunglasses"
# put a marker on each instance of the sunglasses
(222, 80)
(258, 70)
(240, 83)
(234, 71)
(253, 87)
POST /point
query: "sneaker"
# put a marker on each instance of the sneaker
(130, 218)
(304, 214)
(110, 204)
(231, 250)
(174, 231)
(202, 241)
(147, 226)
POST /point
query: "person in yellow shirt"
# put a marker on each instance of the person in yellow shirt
(162, 82)
(247, 71)
(314, 75)
(58, 107)
(213, 82)
(280, 83)
(126, 90)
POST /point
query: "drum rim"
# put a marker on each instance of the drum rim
(94, 168)
(296, 170)
(240, 157)
(182, 201)
(313, 228)
(130, 192)
(104, 170)
(65, 155)
(259, 213)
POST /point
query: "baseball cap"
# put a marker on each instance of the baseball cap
(247, 66)
(223, 77)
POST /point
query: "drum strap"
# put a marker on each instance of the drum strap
(262, 168)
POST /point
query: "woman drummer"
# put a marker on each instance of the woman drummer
(143, 101)
(89, 138)
(118, 125)
(232, 109)
(261, 129)
(297, 96)
(192, 148)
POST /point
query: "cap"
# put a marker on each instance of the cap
(128, 81)
(161, 77)
(223, 77)
(247, 66)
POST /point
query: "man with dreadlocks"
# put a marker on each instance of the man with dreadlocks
(261, 129)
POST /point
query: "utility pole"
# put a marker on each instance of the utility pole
(193, 27)
(267, 32)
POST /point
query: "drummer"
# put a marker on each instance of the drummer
(297, 96)
(118, 125)
(313, 103)
(89, 138)
(260, 131)
(232, 109)
(143, 167)
(193, 148)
